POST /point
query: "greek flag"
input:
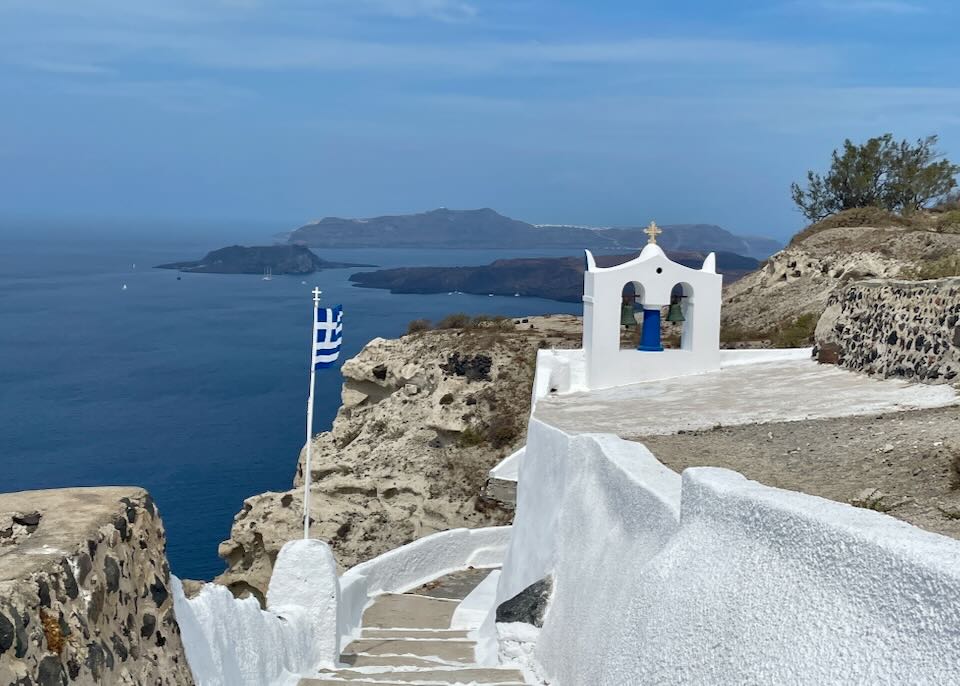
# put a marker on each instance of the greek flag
(327, 336)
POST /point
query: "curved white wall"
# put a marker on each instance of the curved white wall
(596, 509)
(231, 642)
(409, 566)
(724, 580)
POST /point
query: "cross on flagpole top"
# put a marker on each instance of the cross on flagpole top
(316, 295)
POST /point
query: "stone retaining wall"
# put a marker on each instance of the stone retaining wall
(908, 329)
(84, 591)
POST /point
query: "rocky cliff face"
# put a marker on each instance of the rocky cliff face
(423, 419)
(800, 279)
(907, 329)
(84, 591)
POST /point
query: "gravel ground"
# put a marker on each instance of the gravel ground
(906, 455)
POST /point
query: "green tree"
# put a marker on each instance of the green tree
(896, 176)
(918, 174)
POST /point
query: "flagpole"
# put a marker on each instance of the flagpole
(313, 375)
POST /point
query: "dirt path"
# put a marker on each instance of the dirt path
(906, 455)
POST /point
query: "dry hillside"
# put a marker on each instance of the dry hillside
(853, 245)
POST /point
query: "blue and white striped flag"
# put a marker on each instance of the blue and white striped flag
(327, 336)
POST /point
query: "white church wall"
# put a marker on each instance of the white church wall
(724, 580)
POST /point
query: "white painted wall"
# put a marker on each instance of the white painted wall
(722, 581)
(591, 510)
(231, 642)
(409, 566)
(311, 614)
(304, 585)
(560, 371)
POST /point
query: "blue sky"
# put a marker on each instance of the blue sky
(282, 111)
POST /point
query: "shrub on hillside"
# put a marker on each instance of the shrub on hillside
(946, 266)
(494, 321)
(949, 222)
(734, 333)
(458, 320)
(894, 175)
(797, 333)
(418, 326)
(461, 320)
(470, 437)
(503, 430)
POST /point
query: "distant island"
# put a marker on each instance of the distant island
(278, 259)
(486, 228)
(554, 278)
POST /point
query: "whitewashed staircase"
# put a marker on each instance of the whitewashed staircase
(406, 639)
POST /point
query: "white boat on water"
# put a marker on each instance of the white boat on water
(268, 274)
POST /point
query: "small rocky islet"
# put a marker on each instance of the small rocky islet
(275, 259)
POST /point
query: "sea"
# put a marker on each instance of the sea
(192, 386)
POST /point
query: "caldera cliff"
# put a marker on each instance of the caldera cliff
(423, 418)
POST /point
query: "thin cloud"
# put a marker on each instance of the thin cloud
(77, 68)
(871, 6)
(191, 11)
(188, 96)
(280, 52)
(442, 10)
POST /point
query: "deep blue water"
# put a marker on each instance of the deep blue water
(194, 389)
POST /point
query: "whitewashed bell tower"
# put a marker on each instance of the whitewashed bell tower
(654, 277)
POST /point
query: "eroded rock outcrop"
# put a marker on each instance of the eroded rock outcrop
(84, 590)
(800, 279)
(423, 419)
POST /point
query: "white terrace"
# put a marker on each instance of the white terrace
(740, 392)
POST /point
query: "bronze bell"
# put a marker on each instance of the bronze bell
(627, 317)
(675, 313)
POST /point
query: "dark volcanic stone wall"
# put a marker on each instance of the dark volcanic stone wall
(85, 591)
(908, 329)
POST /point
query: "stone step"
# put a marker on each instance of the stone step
(451, 651)
(387, 661)
(399, 611)
(413, 633)
(455, 586)
(470, 675)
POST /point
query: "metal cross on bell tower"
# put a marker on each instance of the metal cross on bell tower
(653, 231)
